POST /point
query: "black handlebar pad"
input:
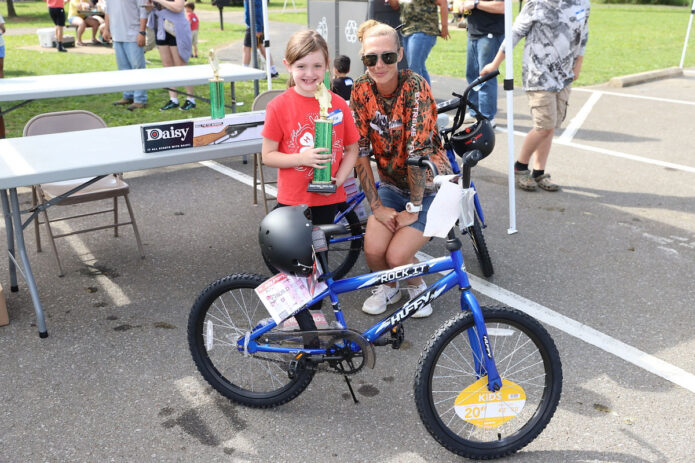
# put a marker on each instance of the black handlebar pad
(448, 105)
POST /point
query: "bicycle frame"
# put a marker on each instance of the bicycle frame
(456, 277)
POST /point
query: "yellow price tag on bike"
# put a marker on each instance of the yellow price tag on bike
(486, 409)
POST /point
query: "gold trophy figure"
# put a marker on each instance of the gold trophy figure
(216, 88)
(323, 138)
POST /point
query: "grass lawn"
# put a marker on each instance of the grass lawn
(22, 62)
(623, 39)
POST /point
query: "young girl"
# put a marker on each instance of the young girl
(288, 134)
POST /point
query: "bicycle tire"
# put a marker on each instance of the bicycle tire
(524, 353)
(475, 231)
(341, 256)
(218, 318)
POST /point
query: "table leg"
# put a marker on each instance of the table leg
(9, 229)
(28, 275)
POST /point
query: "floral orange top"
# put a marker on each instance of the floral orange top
(398, 126)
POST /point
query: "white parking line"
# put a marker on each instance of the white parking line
(631, 95)
(572, 327)
(617, 154)
(577, 121)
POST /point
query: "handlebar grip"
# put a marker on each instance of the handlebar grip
(484, 78)
(423, 161)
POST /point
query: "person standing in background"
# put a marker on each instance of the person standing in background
(420, 30)
(556, 34)
(124, 22)
(195, 25)
(56, 9)
(260, 38)
(384, 12)
(485, 35)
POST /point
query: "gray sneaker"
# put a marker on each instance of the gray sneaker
(381, 297)
(523, 180)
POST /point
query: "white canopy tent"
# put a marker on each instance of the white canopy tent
(687, 34)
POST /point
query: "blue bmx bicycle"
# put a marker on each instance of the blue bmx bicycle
(487, 382)
(345, 247)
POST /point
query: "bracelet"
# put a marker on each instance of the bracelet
(142, 33)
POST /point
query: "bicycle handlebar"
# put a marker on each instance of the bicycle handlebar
(424, 161)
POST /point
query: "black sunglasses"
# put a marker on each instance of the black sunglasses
(371, 59)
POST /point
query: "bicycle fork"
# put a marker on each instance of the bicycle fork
(483, 358)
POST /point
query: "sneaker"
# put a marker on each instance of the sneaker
(170, 105)
(274, 74)
(524, 181)
(187, 105)
(135, 106)
(382, 296)
(469, 119)
(544, 183)
(61, 48)
(122, 102)
(493, 124)
(413, 291)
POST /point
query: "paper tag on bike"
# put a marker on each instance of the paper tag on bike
(283, 295)
(444, 210)
(487, 410)
(467, 208)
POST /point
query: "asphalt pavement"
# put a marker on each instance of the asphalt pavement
(606, 264)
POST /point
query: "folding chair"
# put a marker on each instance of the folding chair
(259, 103)
(111, 186)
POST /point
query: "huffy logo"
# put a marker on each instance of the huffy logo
(167, 136)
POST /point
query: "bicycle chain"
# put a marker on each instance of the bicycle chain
(320, 368)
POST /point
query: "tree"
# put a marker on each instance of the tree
(11, 13)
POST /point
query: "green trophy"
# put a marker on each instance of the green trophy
(216, 89)
(323, 138)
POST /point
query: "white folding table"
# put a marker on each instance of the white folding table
(56, 157)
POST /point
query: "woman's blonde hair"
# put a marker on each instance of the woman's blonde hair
(303, 43)
(374, 28)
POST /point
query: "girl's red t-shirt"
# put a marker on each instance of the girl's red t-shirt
(289, 120)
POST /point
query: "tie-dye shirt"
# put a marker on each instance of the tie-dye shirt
(556, 33)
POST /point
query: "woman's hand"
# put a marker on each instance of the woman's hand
(387, 217)
(405, 218)
(315, 157)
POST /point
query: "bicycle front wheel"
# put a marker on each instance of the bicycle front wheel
(475, 231)
(223, 313)
(451, 384)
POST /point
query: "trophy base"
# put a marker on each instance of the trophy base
(322, 188)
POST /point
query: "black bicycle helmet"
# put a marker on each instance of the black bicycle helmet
(285, 240)
(479, 136)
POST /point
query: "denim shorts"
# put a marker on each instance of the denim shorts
(2, 51)
(390, 197)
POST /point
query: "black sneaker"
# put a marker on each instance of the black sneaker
(187, 105)
(274, 74)
(170, 105)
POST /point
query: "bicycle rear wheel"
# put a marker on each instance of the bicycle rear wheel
(451, 384)
(475, 231)
(343, 250)
(223, 313)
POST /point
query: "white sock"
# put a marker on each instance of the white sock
(273, 69)
(175, 100)
(191, 99)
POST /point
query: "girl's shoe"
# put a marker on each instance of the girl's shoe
(381, 297)
(424, 311)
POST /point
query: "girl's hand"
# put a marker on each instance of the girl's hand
(315, 157)
(405, 218)
(387, 216)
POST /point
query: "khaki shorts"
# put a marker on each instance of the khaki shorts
(548, 109)
(194, 37)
